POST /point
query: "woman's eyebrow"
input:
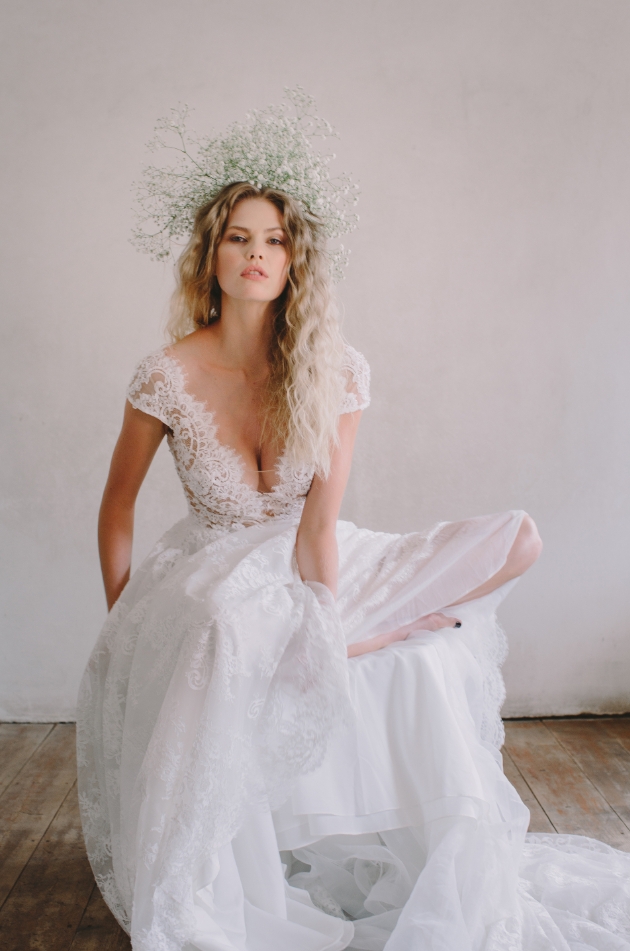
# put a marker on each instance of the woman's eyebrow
(243, 228)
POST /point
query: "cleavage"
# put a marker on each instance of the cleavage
(236, 412)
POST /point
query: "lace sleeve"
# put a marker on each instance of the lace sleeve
(150, 386)
(357, 372)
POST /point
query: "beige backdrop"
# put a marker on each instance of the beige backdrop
(489, 288)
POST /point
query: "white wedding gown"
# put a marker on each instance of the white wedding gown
(244, 786)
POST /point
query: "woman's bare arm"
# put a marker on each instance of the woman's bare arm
(316, 547)
(137, 444)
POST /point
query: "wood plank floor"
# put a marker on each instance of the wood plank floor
(574, 776)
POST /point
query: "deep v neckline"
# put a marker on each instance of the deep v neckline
(207, 418)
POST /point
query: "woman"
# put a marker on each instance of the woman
(243, 785)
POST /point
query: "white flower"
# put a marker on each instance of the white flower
(271, 148)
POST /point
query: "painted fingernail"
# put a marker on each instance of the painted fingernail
(458, 623)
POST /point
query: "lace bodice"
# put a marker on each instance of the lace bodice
(212, 472)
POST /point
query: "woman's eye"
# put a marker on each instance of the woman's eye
(276, 241)
(236, 237)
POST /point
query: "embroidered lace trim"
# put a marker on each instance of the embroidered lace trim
(211, 472)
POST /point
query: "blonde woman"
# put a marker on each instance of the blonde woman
(244, 785)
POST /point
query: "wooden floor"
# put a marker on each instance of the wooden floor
(574, 775)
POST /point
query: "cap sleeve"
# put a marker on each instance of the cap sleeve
(150, 387)
(357, 372)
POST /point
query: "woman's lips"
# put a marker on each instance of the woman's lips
(254, 274)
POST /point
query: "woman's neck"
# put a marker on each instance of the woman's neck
(243, 333)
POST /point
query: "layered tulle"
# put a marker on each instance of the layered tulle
(244, 787)
(217, 679)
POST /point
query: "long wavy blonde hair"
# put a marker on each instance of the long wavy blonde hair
(305, 383)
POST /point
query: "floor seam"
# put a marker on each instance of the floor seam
(37, 845)
(587, 778)
(27, 761)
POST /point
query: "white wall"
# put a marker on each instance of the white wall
(489, 287)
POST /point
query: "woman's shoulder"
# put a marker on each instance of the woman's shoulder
(198, 342)
(153, 382)
(156, 368)
(155, 360)
(357, 373)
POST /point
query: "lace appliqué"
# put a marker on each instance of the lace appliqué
(357, 371)
(211, 472)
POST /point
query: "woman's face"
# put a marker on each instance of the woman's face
(253, 257)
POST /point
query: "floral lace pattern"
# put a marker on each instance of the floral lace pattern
(211, 472)
(185, 721)
(357, 372)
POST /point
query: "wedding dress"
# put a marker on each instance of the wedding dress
(245, 787)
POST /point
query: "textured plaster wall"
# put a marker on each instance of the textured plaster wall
(489, 287)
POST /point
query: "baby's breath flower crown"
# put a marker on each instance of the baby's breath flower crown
(273, 147)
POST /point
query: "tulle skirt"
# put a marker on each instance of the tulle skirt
(244, 787)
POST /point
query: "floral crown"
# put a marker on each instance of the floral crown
(272, 148)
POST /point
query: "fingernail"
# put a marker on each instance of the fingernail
(458, 623)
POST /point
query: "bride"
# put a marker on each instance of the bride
(288, 730)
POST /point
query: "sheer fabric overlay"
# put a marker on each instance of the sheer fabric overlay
(243, 787)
